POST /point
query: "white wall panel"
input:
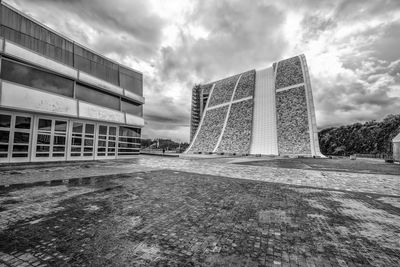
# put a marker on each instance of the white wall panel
(89, 79)
(26, 98)
(134, 120)
(94, 112)
(134, 96)
(264, 139)
(36, 59)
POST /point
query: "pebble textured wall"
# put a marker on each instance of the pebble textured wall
(246, 85)
(293, 129)
(289, 73)
(210, 130)
(223, 91)
(237, 134)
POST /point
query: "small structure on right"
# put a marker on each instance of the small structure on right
(396, 148)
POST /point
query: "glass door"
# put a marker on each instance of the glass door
(82, 141)
(5, 134)
(106, 142)
(50, 139)
(20, 138)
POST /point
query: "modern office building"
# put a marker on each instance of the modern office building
(61, 101)
(267, 112)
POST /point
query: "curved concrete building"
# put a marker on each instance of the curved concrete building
(266, 112)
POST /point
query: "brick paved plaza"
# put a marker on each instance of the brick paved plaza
(156, 211)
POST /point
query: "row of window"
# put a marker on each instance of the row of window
(23, 74)
(29, 34)
(86, 139)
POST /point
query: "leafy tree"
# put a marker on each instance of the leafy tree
(371, 137)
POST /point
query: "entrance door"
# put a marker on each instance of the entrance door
(50, 139)
(5, 134)
(15, 137)
(82, 141)
(106, 142)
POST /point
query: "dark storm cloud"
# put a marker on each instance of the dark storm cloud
(122, 26)
(351, 47)
(240, 37)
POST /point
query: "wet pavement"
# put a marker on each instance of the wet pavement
(154, 211)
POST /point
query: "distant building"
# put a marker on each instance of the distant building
(268, 112)
(60, 100)
(396, 148)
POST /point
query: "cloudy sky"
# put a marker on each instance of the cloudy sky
(352, 49)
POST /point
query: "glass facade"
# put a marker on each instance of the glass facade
(38, 134)
(131, 108)
(33, 77)
(25, 32)
(94, 96)
(128, 141)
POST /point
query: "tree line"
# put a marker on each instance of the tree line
(371, 137)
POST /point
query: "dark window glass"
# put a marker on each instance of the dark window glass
(58, 155)
(132, 108)
(88, 142)
(131, 80)
(95, 65)
(4, 136)
(76, 149)
(103, 129)
(76, 141)
(20, 148)
(23, 31)
(42, 148)
(61, 126)
(22, 74)
(22, 122)
(59, 148)
(126, 131)
(3, 155)
(77, 128)
(21, 138)
(5, 120)
(112, 131)
(102, 143)
(42, 155)
(59, 140)
(43, 139)
(96, 97)
(89, 129)
(3, 148)
(44, 125)
(19, 155)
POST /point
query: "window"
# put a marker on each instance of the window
(95, 65)
(82, 141)
(131, 80)
(96, 97)
(106, 143)
(20, 148)
(131, 108)
(29, 76)
(31, 35)
(129, 141)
